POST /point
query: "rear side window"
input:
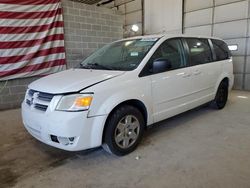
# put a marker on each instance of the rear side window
(199, 51)
(221, 50)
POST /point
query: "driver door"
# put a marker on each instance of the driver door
(171, 89)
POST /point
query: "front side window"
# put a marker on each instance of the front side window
(221, 50)
(170, 50)
(122, 55)
(199, 51)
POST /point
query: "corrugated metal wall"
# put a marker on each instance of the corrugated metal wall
(152, 17)
(163, 16)
(227, 19)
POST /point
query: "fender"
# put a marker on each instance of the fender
(106, 107)
(109, 94)
(227, 73)
(117, 98)
(223, 76)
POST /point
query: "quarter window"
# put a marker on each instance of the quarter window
(199, 51)
(221, 50)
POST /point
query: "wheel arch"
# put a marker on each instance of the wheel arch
(224, 78)
(132, 102)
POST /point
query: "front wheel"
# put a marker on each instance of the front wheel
(124, 130)
(221, 96)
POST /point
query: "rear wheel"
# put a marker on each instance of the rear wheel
(221, 96)
(124, 130)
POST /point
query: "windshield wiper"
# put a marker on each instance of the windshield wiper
(85, 66)
(100, 66)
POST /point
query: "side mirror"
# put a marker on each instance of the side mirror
(161, 65)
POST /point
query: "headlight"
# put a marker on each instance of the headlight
(77, 102)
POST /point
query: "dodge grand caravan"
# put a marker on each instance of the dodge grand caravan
(122, 88)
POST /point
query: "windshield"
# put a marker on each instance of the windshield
(121, 55)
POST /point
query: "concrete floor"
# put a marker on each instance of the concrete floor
(200, 148)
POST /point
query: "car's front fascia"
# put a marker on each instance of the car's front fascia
(64, 129)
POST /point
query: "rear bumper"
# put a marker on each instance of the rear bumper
(231, 82)
(87, 132)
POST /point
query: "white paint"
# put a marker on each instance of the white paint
(72, 80)
(164, 95)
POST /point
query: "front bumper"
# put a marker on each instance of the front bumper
(87, 132)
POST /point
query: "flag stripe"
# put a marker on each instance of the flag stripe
(30, 43)
(28, 8)
(33, 29)
(31, 38)
(34, 36)
(16, 59)
(29, 15)
(24, 51)
(29, 22)
(29, 2)
(33, 67)
(37, 60)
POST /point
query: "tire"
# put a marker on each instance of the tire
(123, 131)
(221, 97)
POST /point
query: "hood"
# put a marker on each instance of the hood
(72, 80)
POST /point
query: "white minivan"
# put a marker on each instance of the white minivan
(122, 88)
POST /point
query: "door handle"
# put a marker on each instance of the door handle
(197, 72)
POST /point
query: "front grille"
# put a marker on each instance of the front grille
(41, 107)
(38, 100)
(28, 102)
(45, 96)
(31, 92)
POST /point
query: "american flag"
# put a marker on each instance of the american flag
(31, 38)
